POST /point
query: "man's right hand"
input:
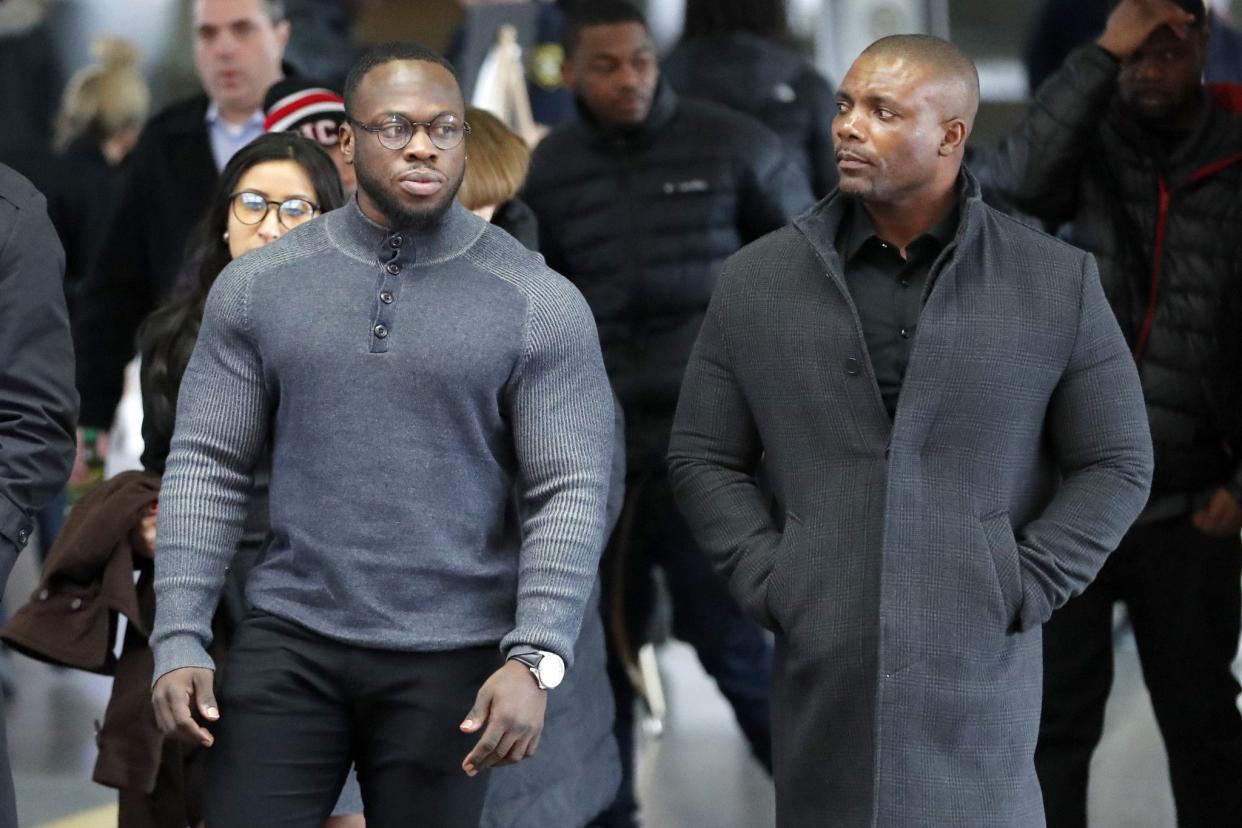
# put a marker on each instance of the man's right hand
(176, 697)
(1133, 21)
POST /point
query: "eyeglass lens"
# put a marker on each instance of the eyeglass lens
(397, 131)
(251, 208)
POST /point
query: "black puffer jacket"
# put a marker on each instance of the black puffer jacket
(769, 82)
(641, 220)
(1166, 229)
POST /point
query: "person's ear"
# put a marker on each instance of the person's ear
(346, 142)
(954, 139)
(281, 31)
(567, 74)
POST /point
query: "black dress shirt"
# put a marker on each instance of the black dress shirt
(889, 290)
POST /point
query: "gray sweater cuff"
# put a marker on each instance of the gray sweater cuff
(524, 640)
(176, 652)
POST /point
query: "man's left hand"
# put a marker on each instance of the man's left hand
(1221, 517)
(511, 706)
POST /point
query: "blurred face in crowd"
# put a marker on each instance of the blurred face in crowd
(411, 187)
(237, 52)
(893, 135)
(613, 69)
(1163, 78)
(283, 182)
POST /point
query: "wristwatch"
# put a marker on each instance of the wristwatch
(547, 668)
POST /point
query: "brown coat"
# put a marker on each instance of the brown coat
(71, 620)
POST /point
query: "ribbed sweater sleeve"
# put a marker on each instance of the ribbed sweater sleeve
(222, 416)
(562, 414)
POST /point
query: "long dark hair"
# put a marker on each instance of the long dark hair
(765, 18)
(167, 337)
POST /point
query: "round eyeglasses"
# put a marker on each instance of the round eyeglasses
(396, 131)
(252, 208)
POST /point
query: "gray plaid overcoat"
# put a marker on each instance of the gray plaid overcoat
(906, 565)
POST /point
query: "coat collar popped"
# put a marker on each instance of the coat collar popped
(821, 223)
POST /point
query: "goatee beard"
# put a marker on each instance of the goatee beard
(403, 218)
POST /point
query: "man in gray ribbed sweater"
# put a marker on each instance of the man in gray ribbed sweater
(408, 365)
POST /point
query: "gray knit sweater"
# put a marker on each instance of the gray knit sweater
(407, 383)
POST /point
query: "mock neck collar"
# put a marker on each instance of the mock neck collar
(363, 239)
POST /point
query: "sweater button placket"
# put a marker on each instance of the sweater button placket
(391, 268)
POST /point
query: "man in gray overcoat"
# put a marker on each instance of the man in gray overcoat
(955, 439)
(38, 405)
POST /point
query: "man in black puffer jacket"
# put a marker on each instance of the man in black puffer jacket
(1144, 164)
(639, 202)
(739, 55)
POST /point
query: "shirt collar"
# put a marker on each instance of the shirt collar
(213, 119)
(858, 229)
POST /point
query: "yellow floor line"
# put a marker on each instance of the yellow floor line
(102, 817)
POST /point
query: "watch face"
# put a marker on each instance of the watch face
(551, 670)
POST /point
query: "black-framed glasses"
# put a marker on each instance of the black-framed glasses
(396, 131)
(251, 208)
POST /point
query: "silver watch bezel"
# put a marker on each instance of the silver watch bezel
(542, 661)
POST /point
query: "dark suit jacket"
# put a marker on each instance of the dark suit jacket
(38, 406)
(167, 186)
(911, 562)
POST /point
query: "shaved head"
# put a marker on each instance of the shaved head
(951, 70)
(904, 112)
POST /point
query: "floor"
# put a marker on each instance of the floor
(698, 773)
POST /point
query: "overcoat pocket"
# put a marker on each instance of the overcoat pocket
(777, 596)
(1003, 546)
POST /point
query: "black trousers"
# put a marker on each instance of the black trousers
(296, 709)
(1181, 589)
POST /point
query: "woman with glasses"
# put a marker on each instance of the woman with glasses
(271, 186)
(275, 184)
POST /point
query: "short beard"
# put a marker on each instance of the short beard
(400, 217)
(856, 188)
